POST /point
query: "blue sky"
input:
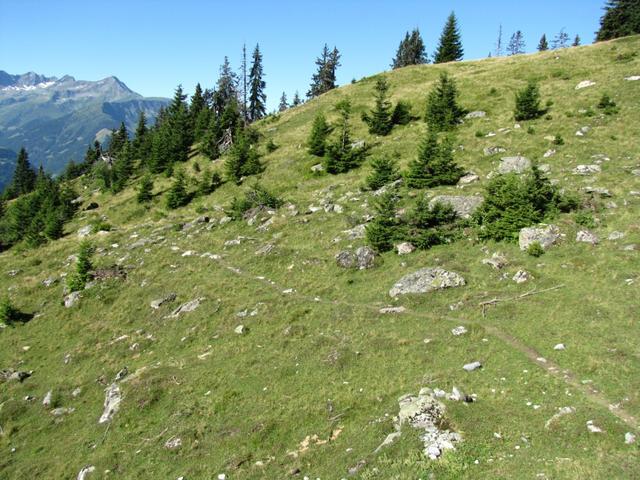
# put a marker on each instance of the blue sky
(154, 45)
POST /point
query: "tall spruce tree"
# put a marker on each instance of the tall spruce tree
(543, 45)
(145, 189)
(257, 96)
(443, 112)
(325, 77)
(411, 51)
(226, 87)
(197, 104)
(379, 120)
(118, 139)
(24, 176)
(516, 44)
(621, 18)
(450, 46)
(283, 105)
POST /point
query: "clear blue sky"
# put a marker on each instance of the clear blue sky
(153, 46)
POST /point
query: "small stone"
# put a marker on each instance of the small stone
(85, 231)
(71, 299)
(559, 346)
(464, 206)
(461, 330)
(392, 310)
(518, 164)
(521, 276)
(476, 114)
(405, 248)
(488, 151)
(632, 78)
(593, 428)
(615, 235)
(186, 307)
(549, 153)
(585, 84)
(587, 169)
(47, 400)
(468, 178)
(470, 367)
(156, 304)
(173, 443)
(426, 280)
(112, 401)
(497, 261)
(85, 471)
(587, 237)
(546, 236)
(240, 330)
(629, 438)
(583, 131)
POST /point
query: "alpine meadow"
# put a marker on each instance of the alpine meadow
(431, 272)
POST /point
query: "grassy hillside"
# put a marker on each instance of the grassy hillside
(310, 388)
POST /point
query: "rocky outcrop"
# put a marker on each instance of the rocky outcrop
(426, 280)
(546, 236)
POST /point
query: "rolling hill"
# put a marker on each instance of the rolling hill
(242, 350)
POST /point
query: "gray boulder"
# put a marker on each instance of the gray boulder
(71, 299)
(112, 400)
(186, 307)
(362, 258)
(587, 237)
(517, 164)
(464, 206)
(83, 474)
(545, 235)
(488, 151)
(156, 304)
(468, 178)
(405, 248)
(476, 114)
(426, 280)
(587, 169)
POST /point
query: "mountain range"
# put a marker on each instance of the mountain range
(55, 119)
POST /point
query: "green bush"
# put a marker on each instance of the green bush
(401, 113)
(243, 159)
(584, 219)
(9, 315)
(271, 146)
(256, 196)
(379, 119)
(535, 249)
(528, 103)
(385, 170)
(607, 105)
(99, 224)
(558, 140)
(430, 225)
(513, 202)
(342, 155)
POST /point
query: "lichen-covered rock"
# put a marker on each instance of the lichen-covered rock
(546, 236)
(362, 258)
(426, 280)
(186, 307)
(112, 401)
(405, 248)
(476, 114)
(71, 299)
(516, 164)
(587, 237)
(464, 206)
(488, 151)
(496, 261)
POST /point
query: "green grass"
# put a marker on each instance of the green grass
(322, 359)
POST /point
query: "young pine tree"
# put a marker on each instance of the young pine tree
(528, 103)
(380, 118)
(434, 165)
(430, 225)
(385, 226)
(341, 155)
(318, 137)
(385, 171)
(443, 112)
(145, 189)
(84, 266)
(122, 168)
(450, 46)
(209, 183)
(24, 176)
(296, 100)
(543, 45)
(576, 41)
(177, 195)
(243, 159)
(284, 105)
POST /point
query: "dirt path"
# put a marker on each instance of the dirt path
(590, 392)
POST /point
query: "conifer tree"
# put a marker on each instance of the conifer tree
(411, 51)
(243, 159)
(621, 18)
(379, 120)
(244, 111)
(443, 112)
(24, 176)
(122, 168)
(283, 103)
(118, 139)
(257, 97)
(177, 195)
(226, 88)
(383, 229)
(543, 45)
(434, 165)
(53, 225)
(145, 189)
(210, 146)
(296, 99)
(385, 170)
(209, 183)
(561, 40)
(197, 105)
(140, 142)
(341, 155)
(528, 103)
(516, 44)
(325, 77)
(450, 46)
(499, 48)
(318, 137)
(576, 41)
(79, 280)
(202, 123)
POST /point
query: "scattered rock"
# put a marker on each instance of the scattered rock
(363, 258)
(357, 232)
(468, 178)
(476, 114)
(632, 78)
(426, 280)
(587, 169)
(405, 248)
(559, 346)
(85, 231)
(47, 282)
(92, 206)
(522, 276)
(156, 304)
(47, 400)
(173, 443)
(561, 412)
(497, 261)
(517, 164)
(629, 438)
(461, 330)
(470, 367)
(240, 330)
(346, 259)
(186, 307)
(549, 153)
(587, 237)
(615, 236)
(112, 401)
(585, 84)
(546, 236)
(593, 428)
(9, 375)
(82, 475)
(71, 299)
(58, 412)
(464, 206)
(121, 374)
(583, 131)
(392, 310)
(488, 151)
(603, 192)
(392, 437)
